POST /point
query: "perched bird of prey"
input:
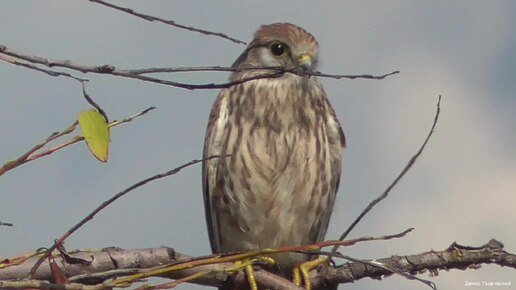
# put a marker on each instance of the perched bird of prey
(277, 187)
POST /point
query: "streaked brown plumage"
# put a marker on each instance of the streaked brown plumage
(278, 186)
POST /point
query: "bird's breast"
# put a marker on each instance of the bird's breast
(277, 186)
(278, 120)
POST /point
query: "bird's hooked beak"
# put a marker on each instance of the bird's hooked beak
(305, 61)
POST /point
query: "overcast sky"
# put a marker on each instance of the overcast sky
(463, 188)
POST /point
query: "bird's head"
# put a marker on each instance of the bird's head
(281, 44)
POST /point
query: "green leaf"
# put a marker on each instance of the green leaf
(96, 132)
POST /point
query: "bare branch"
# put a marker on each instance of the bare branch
(14, 61)
(388, 268)
(139, 74)
(31, 155)
(168, 22)
(6, 224)
(106, 203)
(111, 70)
(234, 258)
(110, 263)
(454, 257)
(398, 178)
(352, 77)
(25, 157)
(275, 68)
(93, 103)
(183, 69)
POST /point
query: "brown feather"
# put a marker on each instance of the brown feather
(279, 185)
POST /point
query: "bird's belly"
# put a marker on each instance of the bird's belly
(275, 194)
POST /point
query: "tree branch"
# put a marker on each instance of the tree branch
(454, 257)
(139, 74)
(112, 262)
(31, 66)
(168, 22)
(6, 224)
(59, 242)
(405, 169)
(32, 153)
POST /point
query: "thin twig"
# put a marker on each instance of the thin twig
(398, 178)
(106, 203)
(112, 70)
(352, 77)
(386, 267)
(31, 154)
(13, 60)
(129, 119)
(93, 103)
(314, 248)
(152, 70)
(215, 68)
(24, 157)
(139, 74)
(233, 69)
(6, 224)
(168, 22)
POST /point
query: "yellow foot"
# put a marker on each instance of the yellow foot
(247, 266)
(302, 272)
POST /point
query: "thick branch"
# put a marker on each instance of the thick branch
(454, 257)
(114, 262)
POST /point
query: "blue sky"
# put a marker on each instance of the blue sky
(463, 188)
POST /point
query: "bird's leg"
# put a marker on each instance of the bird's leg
(249, 273)
(302, 272)
(247, 266)
(296, 276)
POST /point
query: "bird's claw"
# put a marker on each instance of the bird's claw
(301, 273)
(247, 266)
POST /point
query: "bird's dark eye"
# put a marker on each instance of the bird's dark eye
(278, 48)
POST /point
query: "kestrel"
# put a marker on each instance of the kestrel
(278, 185)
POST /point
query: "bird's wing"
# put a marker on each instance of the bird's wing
(337, 144)
(213, 146)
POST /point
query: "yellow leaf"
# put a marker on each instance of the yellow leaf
(96, 132)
